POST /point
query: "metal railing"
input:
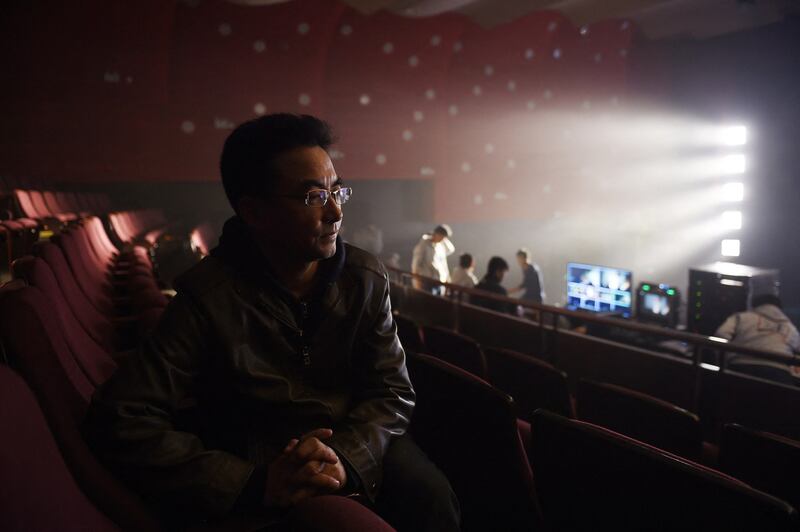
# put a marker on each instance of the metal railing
(722, 347)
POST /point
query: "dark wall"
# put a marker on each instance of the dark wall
(751, 78)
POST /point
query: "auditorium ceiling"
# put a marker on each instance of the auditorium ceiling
(657, 19)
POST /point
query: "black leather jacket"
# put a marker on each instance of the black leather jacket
(262, 368)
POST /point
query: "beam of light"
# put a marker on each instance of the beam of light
(732, 220)
(730, 247)
(733, 164)
(733, 135)
(733, 191)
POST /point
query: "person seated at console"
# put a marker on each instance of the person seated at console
(767, 328)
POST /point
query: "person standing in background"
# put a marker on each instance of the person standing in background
(430, 257)
(531, 286)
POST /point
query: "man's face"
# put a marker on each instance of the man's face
(522, 261)
(500, 274)
(303, 232)
(437, 237)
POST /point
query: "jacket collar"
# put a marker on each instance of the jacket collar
(238, 249)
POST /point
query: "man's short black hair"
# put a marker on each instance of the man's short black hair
(766, 299)
(465, 260)
(496, 264)
(247, 158)
(444, 230)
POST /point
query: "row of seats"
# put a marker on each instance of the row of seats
(63, 207)
(535, 384)
(78, 306)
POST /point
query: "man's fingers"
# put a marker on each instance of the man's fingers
(311, 475)
(320, 434)
(291, 445)
(313, 449)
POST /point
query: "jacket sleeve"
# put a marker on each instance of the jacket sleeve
(131, 421)
(383, 399)
(728, 329)
(420, 262)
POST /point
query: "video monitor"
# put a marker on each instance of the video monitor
(599, 288)
(658, 303)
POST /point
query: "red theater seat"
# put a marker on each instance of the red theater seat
(469, 430)
(532, 383)
(34, 343)
(409, 334)
(640, 416)
(766, 461)
(590, 478)
(37, 491)
(112, 333)
(455, 348)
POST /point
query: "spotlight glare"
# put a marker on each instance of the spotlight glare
(732, 220)
(733, 135)
(733, 191)
(733, 164)
(730, 248)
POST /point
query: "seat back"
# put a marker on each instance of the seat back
(766, 461)
(469, 430)
(640, 416)
(96, 363)
(26, 204)
(37, 492)
(759, 404)
(455, 348)
(531, 382)
(93, 283)
(95, 323)
(590, 478)
(409, 334)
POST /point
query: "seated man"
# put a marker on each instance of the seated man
(284, 339)
(464, 274)
(763, 327)
(491, 283)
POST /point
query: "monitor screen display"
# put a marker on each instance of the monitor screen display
(599, 288)
(656, 305)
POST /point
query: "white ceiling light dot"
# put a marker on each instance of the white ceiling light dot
(452, 110)
(380, 159)
(408, 135)
(225, 29)
(477, 90)
(413, 61)
(419, 116)
(364, 99)
(304, 99)
(436, 40)
(346, 30)
(303, 28)
(259, 108)
(388, 48)
(187, 126)
(259, 46)
(430, 94)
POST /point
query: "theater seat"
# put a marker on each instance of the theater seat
(37, 490)
(469, 430)
(766, 461)
(409, 334)
(455, 348)
(532, 383)
(113, 333)
(640, 416)
(34, 344)
(590, 478)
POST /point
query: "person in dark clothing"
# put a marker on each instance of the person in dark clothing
(531, 287)
(284, 339)
(496, 270)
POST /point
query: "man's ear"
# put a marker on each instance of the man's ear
(250, 210)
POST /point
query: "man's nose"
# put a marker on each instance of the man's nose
(332, 211)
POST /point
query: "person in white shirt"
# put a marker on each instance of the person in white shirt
(430, 257)
(763, 327)
(464, 274)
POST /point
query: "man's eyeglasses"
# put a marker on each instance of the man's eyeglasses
(319, 197)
